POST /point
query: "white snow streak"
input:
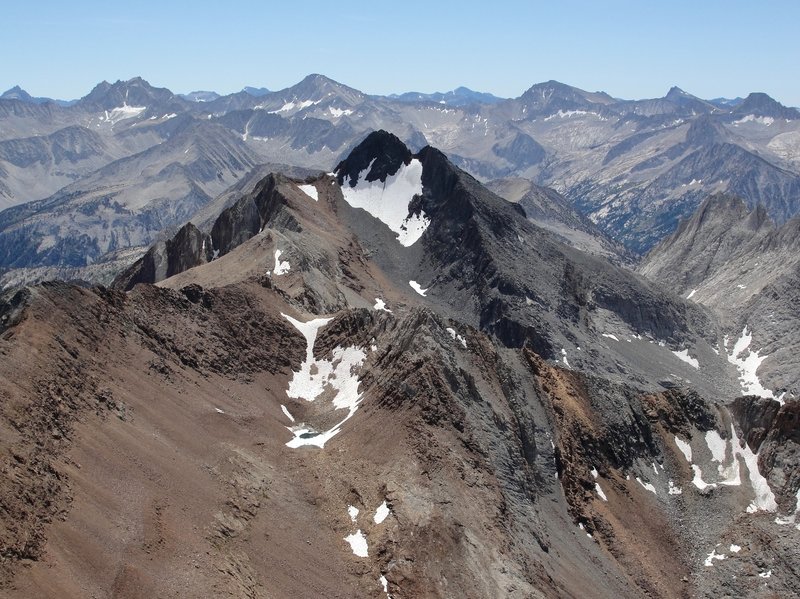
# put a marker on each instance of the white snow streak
(352, 511)
(712, 556)
(610, 336)
(418, 288)
(685, 448)
(684, 356)
(286, 411)
(600, 492)
(310, 191)
(647, 486)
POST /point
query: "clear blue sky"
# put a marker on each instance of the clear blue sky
(629, 49)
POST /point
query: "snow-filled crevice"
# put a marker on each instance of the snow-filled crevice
(335, 376)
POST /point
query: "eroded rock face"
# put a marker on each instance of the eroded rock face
(773, 431)
(188, 248)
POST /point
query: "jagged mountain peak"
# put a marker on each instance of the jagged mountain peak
(318, 87)
(255, 91)
(761, 104)
(687, 101)
(133, 92)
(381, 152)
(460, 96)
(548, 91)
(16, 93)
(200, 96)
(676, 92)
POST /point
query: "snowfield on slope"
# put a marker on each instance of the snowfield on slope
(388, 201)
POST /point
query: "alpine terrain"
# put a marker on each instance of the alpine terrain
(383, 378)
(88, 185)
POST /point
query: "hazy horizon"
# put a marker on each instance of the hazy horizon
(713, 49)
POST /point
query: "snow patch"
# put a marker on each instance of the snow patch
(380, 305)
(286, 411)
(747, 362)
(289, 106)
(735, 548)
(684, 356)
(121, 113)
(564, 358)
(385, 585)
(381, 513)
(673, 489)
(358, 543)
(281, 268)
(310, 191)
(418, 288)
(600, 492)
(647, 486)
(751, 118)
(352, 511)
(455, 336)
(219, 411)
(685, 448)
(691, 295)
(389, 201)
(713, 556)
(338, 112)
(610, 336)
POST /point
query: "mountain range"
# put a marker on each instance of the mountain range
(386, 380)
(108, 173)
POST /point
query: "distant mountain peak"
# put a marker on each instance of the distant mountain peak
(761, 104)
(382, 152)
(133, 92)
(255, 91)
(17, 93)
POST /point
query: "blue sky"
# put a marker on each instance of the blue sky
(629, 49)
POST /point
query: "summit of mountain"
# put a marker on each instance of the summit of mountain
(135, 92)
(460, 96)
(762, 105)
